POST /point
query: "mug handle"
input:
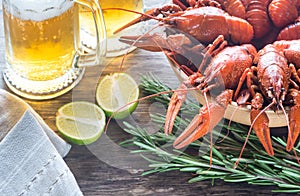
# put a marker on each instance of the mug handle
(96, 55)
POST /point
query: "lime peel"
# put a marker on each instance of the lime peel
(114, 92)
(83, 124)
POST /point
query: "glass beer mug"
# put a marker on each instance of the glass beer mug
(114, 19)
(44, 56)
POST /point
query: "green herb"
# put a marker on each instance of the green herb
(255, 166)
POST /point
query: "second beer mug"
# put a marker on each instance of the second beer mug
(44, 58)
(114, 19)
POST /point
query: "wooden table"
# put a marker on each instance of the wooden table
(107, 169)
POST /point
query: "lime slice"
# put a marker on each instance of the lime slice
(80, 122)
(114, 92)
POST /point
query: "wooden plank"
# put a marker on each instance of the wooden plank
(97, 177)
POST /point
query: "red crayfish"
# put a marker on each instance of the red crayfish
(269, 77)
(266, 16)
(226, 68)
(276, 81)
(203, 23)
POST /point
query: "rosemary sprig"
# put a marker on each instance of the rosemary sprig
(255, 167)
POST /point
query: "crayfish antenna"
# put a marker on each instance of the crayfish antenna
(241, 100)
(211, 135)
(144, 98)
(143, 17)
(150, 14)
(229, 123)
(264, 139)
(129, 103)
(289, 128)
(180, 4)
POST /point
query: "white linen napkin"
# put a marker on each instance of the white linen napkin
(31, 153)
(12, 109)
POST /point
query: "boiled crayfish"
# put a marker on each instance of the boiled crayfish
(275, 79)
(226, 68)
(270, 77)
(266, 16)
(203, 23)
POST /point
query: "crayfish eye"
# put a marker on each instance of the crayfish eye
(271, 89)
(270, 93)
(171, 22)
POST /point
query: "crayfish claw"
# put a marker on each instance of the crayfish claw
(176, 102)
(262, 130)
(153, 43)
(156, 42)
(294, 118)
(209, 116)
(198, 127)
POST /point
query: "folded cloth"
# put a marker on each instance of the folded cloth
(12, 108)
(31, 160)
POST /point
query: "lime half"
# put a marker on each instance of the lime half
(115, 92)
(80, 122)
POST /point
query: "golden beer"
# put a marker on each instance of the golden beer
(114, 19)
(41, 49)
(44, 55)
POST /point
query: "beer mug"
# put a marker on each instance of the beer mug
(114, 19)
(44, 56)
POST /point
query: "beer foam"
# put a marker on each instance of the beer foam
(37, 10)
